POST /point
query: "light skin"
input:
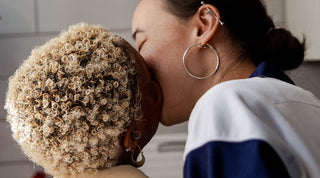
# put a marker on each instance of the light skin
(162, 39)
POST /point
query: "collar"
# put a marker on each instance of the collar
(269, 68)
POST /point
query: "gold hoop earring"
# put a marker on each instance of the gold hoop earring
(135, 163)
(187, 70)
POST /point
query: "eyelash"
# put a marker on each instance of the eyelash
(141, 44)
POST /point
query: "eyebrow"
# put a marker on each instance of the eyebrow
(134, 34)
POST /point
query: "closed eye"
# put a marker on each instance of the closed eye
(141, 45)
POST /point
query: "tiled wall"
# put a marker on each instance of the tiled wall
(28, 23)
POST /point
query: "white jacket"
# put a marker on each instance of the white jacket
(236, 125)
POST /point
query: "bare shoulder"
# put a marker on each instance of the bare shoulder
(121, 171)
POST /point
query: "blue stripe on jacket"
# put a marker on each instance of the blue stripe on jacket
(251, 159)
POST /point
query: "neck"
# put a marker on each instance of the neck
(231, 68)
(237, 70)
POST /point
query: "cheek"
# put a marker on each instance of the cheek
(152, 104)
(163, 53)
(164, 58)
(165, 43)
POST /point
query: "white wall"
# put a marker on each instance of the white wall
(275, 10)
(303, 18)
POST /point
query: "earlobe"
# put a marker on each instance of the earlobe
(130, 144)
(130, 139)
(127, 139)
(209, 18)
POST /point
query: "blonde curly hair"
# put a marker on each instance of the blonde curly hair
(70, 102)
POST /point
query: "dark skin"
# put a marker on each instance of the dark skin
(151, 103)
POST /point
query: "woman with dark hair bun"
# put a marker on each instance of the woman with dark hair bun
(220, 66)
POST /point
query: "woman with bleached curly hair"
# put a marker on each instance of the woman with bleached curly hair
(84, 104)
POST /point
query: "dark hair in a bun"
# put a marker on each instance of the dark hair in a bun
(284, 49)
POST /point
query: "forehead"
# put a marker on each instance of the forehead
(149, 11)
(151, 5)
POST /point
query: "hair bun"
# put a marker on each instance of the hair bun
(283, 48)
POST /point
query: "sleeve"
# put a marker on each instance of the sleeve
(252, 158)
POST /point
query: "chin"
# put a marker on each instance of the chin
(168, 122)
(169, 118)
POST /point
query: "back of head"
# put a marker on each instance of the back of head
(250, 29)
(71, 100)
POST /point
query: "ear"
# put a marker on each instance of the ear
(208, 18)
(127, 139)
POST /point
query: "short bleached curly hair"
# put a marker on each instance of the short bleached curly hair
(71, 101)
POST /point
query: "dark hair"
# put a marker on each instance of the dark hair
(251, 28)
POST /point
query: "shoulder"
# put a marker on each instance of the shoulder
(245, 109)
(253, 90)
(262, 110)
(121, 171)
